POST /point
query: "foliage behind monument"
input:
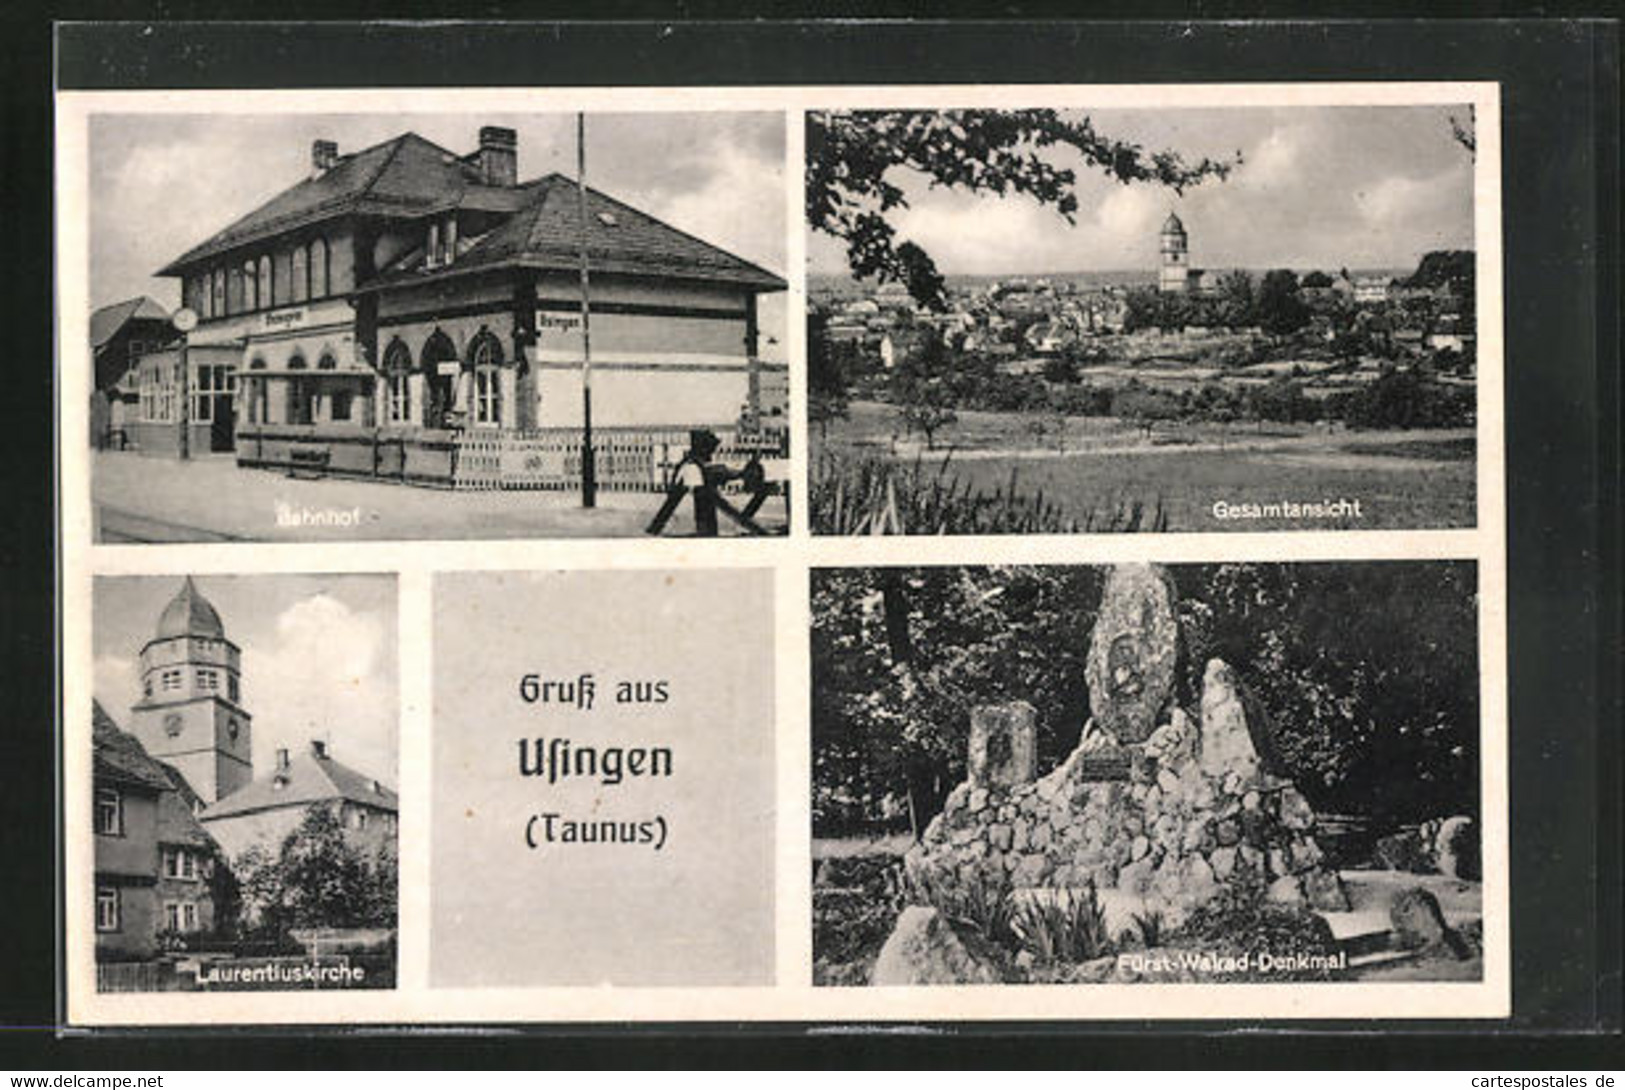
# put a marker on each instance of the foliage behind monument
(1367, 673)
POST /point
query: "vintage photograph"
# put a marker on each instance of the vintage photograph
(245, 814)
(1207, 773)
(1142, 319)
(429, 326)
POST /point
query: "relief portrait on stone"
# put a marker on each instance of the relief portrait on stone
(1198, 773)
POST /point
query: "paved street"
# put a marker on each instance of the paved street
(210, 499)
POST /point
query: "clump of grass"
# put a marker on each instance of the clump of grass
(856, 495)
(1068, 927)
(977, 907)
(1150, 925)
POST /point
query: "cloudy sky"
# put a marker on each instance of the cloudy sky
(1319, 187)
(160, 183)
(319, 657)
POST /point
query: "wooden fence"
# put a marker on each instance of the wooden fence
(626, 459)
(139, 976)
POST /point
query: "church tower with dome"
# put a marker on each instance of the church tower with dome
(1175, 272)
(190, 714)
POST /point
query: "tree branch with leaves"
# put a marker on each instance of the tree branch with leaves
(852, 191)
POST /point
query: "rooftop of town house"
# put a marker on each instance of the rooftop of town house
(119, 758)
(310, 776)
(105, 322)
(407, 175)
(545, 232)
(410, 176)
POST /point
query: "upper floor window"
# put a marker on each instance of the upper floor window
(231, 688)
(109, 811)
(180, 863)
(217, 293)
(251, 286)
(441, 248)
(301, 275)
(264, 281)
(171, 679)
(319, 280)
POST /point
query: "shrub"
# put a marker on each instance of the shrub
(1243, 920)
(855, 904)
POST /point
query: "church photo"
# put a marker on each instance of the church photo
(245, 812)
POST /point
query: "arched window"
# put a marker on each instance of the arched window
(265, 281)
(441, 370)
(300, 282)
(219, 292)
(327, 362)
(318, 269)
(251, 290)
(398, 382)
(485, 357)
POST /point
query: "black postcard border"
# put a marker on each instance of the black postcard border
(1560, 138)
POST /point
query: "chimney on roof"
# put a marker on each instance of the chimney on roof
(499, 155)
(318, 748)
(323, 154)
(282, 760)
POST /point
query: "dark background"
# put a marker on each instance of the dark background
(1560, 111)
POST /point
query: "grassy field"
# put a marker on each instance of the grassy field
(1401, 480)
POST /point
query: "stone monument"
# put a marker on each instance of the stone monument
(1132, 653)
(1155, 808)
(1003, 745)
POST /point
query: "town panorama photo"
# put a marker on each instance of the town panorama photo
(1174, 318)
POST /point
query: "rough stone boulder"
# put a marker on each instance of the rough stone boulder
(923, 949)
(1456, 849)
(1133, 651)
(1227, 741)
(1418, 923)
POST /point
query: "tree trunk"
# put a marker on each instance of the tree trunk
(894, 600)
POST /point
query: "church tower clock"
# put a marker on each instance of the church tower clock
(190, 714)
